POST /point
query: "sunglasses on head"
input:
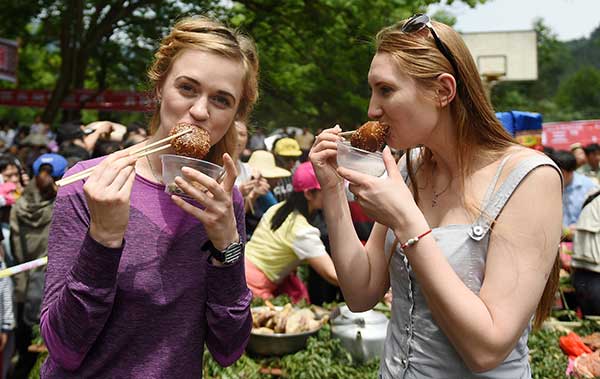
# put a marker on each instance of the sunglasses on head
(420, 21)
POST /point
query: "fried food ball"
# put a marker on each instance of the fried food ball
(370, 136)
(195, 144)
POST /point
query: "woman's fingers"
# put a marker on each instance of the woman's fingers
(327, 135)
(122, 178)
(335, 130)
(324, 158)
(353, 176)
(325, 145)
(200, 181)
(125, 190)
(194, 190)
(230, 173)
(110, 168)
(390, 164)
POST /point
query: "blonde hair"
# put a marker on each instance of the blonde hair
(478, 129)
(479, 132)
(205, 34)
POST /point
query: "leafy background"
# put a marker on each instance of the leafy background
(314, 56)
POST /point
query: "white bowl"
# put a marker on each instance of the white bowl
(359, 160)
(171, 167)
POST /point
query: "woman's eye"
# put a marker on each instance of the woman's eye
(222, 101)
(186, 88)
(384, 90)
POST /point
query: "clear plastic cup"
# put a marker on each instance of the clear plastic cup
(359, 160)
(171, 167)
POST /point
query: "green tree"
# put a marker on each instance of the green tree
(314, 54)
(581, 92)
(93, 40)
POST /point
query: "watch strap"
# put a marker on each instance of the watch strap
(229, 255)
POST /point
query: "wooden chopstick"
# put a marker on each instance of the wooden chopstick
(159, 142)
(139, 152)
(346, 134)
(86, 173)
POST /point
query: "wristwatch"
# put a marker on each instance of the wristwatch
(229, 255)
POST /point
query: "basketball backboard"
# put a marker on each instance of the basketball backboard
(504, 56)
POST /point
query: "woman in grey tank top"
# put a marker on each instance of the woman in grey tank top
(467, 223)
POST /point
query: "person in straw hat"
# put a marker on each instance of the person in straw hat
(265, 175)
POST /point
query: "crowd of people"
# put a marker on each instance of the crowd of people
(581, 223)
(139, 280)
(33, 157)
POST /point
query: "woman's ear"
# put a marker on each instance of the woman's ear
(158, 95)
(307, 195)
(446, 89)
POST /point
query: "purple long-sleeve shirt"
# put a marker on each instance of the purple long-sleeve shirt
(146, 309)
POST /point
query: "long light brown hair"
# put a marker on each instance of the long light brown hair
(479, 132)
(204, 34)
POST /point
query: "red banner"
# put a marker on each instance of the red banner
(8, 60)
(561, 135)
(79, 99)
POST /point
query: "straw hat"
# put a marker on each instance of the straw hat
(264, 162)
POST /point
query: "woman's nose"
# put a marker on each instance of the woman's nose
(199, 109)
(374, 111)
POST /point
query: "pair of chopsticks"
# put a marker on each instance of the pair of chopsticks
(347, 134)
(138, 152)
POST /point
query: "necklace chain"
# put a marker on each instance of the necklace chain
(436, 195)
(158, 180)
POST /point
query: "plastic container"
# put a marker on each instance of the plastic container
(171, 167)
(359, 160)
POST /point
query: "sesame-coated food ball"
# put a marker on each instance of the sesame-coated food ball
(195, 144)
(370, 136)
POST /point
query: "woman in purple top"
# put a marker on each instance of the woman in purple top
(134, 288)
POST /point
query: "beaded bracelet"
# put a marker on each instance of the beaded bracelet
(414, 240)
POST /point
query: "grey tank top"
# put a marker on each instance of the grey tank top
(415, 346)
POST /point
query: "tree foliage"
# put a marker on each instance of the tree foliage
(99, 44)
(314, 54)
(581, 92)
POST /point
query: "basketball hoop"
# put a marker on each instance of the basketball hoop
(503, 56)
(490, 79)
(493, 76)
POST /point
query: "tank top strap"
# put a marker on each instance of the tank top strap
(498, 199)
(414, 156)
(492, 185)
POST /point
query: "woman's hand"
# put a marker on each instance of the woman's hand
(387, 199)
(108, 193)
(218, 217)
(260, 187)
(323, 156)
(246, 187)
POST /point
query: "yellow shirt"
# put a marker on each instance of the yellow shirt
(277, 253)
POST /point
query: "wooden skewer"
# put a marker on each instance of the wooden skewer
(138, 151)
(346, 134)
